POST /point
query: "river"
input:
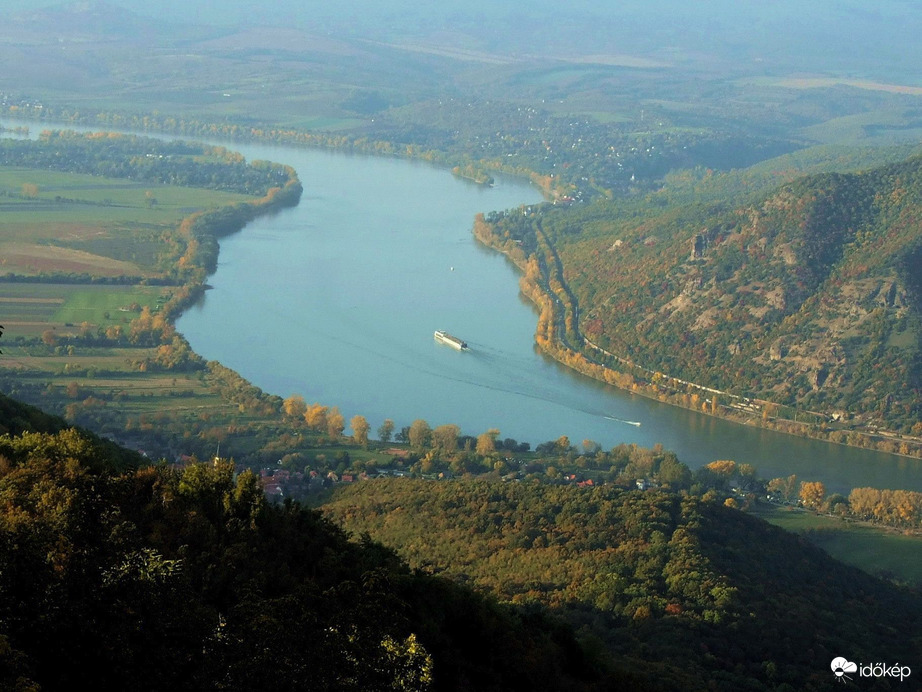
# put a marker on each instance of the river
(337, 300)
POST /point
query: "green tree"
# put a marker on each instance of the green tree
(420, 434)
(673, 472)
(837, 504)
(445, 438)
(386, 430)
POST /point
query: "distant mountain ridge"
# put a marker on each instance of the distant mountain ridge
(786, 32)
(90, 19)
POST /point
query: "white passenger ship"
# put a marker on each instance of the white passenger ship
(449, 340)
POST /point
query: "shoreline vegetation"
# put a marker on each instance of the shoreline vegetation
(542, 283)
(118, 365)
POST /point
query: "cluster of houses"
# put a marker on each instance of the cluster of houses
(279, 484)
(9, 100)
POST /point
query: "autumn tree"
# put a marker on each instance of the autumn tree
(360, 429)
(419, 434)
(724, 468)
(747, 473)
(863, 501)
(445, 438)
(785, 487)
(316, 417)
(812, 493)
(294, 406)
(486, 442)
(336, 422)
(591, 447)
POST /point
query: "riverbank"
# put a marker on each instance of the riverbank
(558, 332)
(557, 329)
(102, 349)
(283, 346)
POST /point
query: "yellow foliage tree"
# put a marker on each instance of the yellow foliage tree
(722, 467)
(812, 493)
(336, 422)
(294, 406)
(316, 417)
(360, 430)
(486, 443)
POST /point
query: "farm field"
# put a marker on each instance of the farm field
(72, 223)
(56, 223)
(87, 264)
(31, 308)
(873, 549)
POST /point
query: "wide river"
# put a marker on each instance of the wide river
(337, 300)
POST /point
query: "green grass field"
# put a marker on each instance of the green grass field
(28, 309)
(110, 305)
(874, 549)
(106, 199)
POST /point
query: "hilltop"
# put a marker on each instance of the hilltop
(692, 593)
(805, 297)
(188, 579)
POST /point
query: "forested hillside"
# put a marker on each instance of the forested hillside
(160, 579)
(809, 296)
(696, 595)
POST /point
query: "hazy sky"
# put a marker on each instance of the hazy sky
(838, 35)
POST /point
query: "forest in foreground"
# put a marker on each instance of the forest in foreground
(129, 576)
(115, 572)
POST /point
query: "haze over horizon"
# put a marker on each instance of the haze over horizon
(844, 39)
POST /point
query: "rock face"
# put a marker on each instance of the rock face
(698, 245)
(777, 351)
